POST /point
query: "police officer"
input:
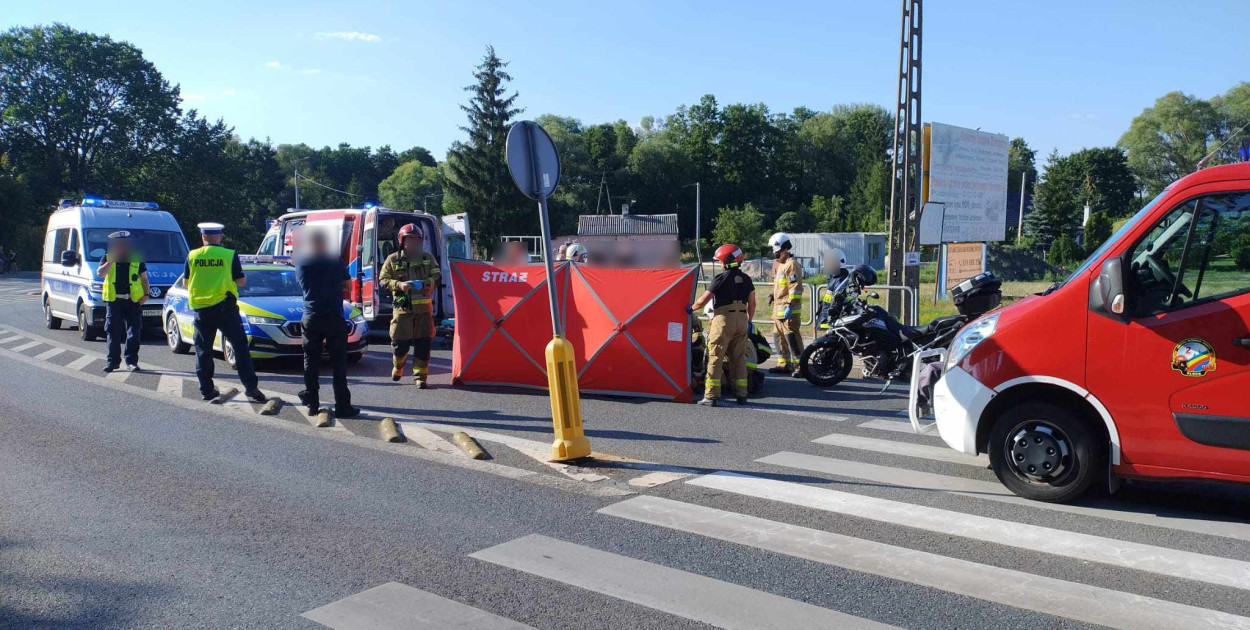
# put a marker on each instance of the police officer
(125, 290)
(213, 275)
(787, 301)
(733, 301)
(411, 274)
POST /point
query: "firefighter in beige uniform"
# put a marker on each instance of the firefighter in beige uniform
(733, 299)
(411, 274)
(787, 305)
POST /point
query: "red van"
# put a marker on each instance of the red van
(1135, 366)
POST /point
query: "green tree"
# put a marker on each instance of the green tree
(1166, 141)
(829, 214)
(1063, 252)
(743, 227)
(1099, 177)
(1097, 230)
(1056, 203)
(79, 110)
(1021, 163)
(795, 221)
(417, 154)
(479, 173)
(413, 186)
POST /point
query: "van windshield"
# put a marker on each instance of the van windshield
(156, 246)
(1113, 239)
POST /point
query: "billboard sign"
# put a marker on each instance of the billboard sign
(968, 176)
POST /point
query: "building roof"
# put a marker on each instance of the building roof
(626, 224)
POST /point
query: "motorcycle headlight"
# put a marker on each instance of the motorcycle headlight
(970, 337)
(271, 321)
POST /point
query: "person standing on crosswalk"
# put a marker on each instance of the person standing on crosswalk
(125, 291)
(213, 275)
(732, 295)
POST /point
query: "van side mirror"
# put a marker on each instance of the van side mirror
(1108, 291)
(69, 258)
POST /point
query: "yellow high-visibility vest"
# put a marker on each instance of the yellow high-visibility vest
(110, 282)
(211, 279)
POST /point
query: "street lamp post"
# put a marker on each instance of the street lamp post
(698, 220)
(297, 179)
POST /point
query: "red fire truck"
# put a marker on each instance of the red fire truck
(1135, 366)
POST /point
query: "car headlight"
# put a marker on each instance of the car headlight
(970, 337)
(271, 321)
(97, 287)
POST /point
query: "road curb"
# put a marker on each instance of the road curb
(469, 445)
(390, 431)
(272, 407)
(321, 420)
(222, 397)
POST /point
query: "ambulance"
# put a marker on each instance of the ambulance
(75, 243)
(1137, 365)
(366, 236)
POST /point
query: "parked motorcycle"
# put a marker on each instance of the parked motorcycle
(885, 346)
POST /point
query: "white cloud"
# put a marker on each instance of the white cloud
(192, 96)
(350, 36)
(273, 64)
(310, 71)
(228, 92)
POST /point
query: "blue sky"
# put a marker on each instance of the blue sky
(1062, 74)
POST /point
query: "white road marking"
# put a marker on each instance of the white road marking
(81, 362)
(802, 414)
(428, 439)
(1071, 600)
(48, 354)
(881, 424)
(908, 449)
(395, 606)
(676, 592)
(1129, 555)
(994, 491)
(11, 339)
(119, 375)
(170, 384)
(657, 478)
(26, 346)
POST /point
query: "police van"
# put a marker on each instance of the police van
(74, 246)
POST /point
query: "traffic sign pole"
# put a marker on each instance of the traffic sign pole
(535, 168)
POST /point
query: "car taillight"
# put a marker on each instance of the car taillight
(357, 291)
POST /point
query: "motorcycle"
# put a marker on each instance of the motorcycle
(885, 346)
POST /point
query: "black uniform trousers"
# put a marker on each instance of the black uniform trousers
(123, 319)
(222, 316)
(332, 333)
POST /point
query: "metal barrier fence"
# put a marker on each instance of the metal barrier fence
(763, 308)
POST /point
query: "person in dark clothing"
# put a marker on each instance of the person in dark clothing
(125, 291)
(323, 278)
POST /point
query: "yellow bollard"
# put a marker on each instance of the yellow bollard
(566, 406)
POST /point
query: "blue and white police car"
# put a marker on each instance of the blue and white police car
(271, 305)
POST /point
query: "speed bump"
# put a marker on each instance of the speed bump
(272, 407)
(321, 420)
(469, 445)
(225, 395)
(390, 431)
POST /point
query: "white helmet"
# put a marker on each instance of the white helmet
(575, 252)
(834, 261)
(779, 242)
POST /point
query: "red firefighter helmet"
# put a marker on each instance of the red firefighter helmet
(729, 255)
(412, 229)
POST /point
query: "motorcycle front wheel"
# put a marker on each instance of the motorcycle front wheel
(826, 363)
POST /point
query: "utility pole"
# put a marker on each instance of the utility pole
(698, 221)
(297, 180)
(906, 171)
(1024, 178)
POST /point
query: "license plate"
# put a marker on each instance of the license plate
(152, 312)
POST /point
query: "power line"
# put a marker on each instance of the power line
(316, 183)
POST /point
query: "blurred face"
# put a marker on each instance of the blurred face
(317, 244)
(119, 248)
(412, 245)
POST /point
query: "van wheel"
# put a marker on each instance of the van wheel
(1045, 452)
(51, 321)
(85, 332)
(173, 335)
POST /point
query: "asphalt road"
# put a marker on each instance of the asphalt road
(128, 503)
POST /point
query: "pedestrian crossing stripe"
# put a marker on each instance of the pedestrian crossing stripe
(1117, 553)
(394, 606)
(677, 592)
(906, 449)
(895, 426)
(1071, 600)
(994, 491)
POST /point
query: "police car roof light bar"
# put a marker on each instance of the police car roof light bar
(95, 202)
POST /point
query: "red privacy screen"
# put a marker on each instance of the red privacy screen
(628, 327)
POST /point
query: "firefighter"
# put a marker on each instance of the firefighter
(732, 295)
(411, 274)
(787, 301)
